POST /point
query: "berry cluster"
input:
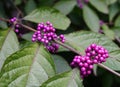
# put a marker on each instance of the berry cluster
(46, 34)
(84, 63)
(94, 54)
(17, 26)
(97, 53)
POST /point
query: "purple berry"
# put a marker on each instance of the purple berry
(80, 64)
(93, 45)
(89, 61)
(33, 39)
(78, 60)
(89, 49)
(85, 64)
(88, 54)
(93, 53)
(17, 25)
(16, 30)
(89, 72)
(91, 66)
(34, 36)
(83, 69)
(95, 61)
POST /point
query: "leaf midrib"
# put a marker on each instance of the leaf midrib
(37, 50)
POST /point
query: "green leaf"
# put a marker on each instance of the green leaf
(117, 31)
(91, 19)
(109, 33)
(100, 5)
(61, 49)
(61, 64)
(25, 44)
(82, 39)
(8, 44)
(114, 61)
(45, 14)
(113, 10)
(117, 21)
(30, 6)
(108, 2)
(65, 7)
(67, 79)
(3, 24)
(27, 36)
(29, 67)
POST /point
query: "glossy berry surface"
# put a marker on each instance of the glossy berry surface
(94, 54)
(84, 63)
(46, 34)
(97, 53)
(16, 26)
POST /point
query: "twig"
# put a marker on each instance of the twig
(68, 47)
(110, 70)
(27, 27)
(101, 65)
(19, 11)
(3, 19)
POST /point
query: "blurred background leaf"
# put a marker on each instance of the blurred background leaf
(91, 19)
(30, 6)
(65, 7)
(100, 5)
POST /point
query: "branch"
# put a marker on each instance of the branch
(75, 51)
(101, 65)
(19, 11)
(5, 20)
(110, 70)
(27, 27)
